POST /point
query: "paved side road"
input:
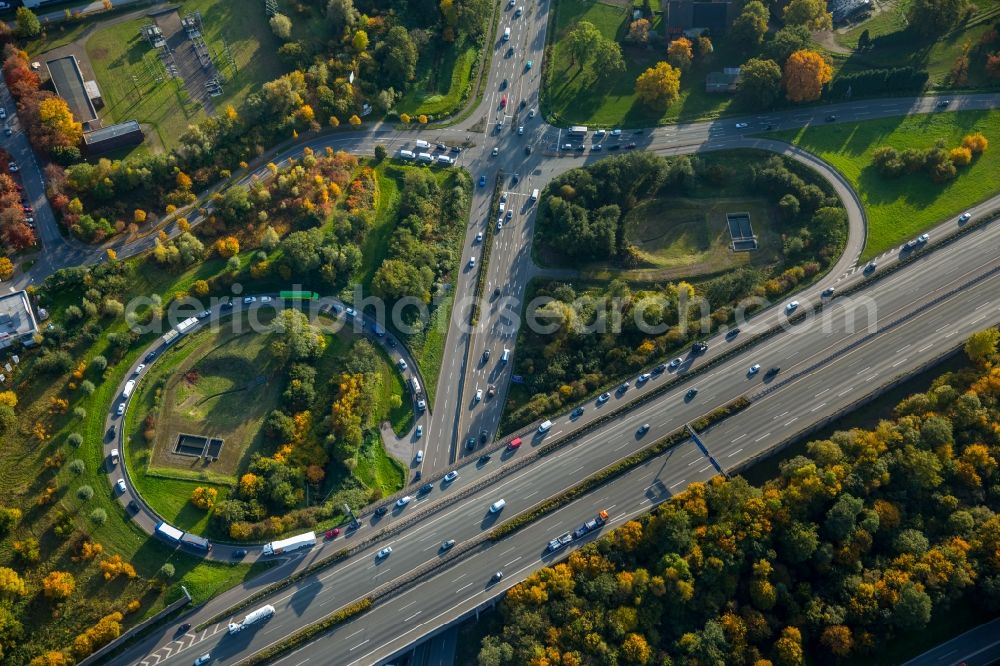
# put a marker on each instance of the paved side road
(976, 647)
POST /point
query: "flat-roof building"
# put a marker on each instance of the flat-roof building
(17, 320)
(108, 138)
(68, 81)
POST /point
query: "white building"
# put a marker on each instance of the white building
(17, 321)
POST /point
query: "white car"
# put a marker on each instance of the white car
(204, 314)
(120, 485)
(451, 476)
(643, 378)
(384, 553)
(421, 405)
(742, 125)
(791, 307)
(965, 217)
(472, 262)
(121, 408)
(479, 394)
(616, 132)
(531, 113)
(496, 151)
(419, 433)
(674, 363)
(923, 238)
(520, 130)
(203, 659)
(402, 365)
(265, 299)
(520, 10)
(403, 501)
(754, 369)
(603, 398)
(479, 237)
(13, 167)
(139, 368)
(420, 454)
(249, 299)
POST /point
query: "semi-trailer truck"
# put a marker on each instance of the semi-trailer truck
(307, 540)
(252, 618)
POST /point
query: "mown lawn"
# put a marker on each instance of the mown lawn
(118, 53)
(377, 469)
(573, 95)
(900, 208)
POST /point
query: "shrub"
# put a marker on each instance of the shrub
(98, 516)
(80, 413)
(85, 493)
(74, 439)
(166, 572)
(77, 466)
(99, 363)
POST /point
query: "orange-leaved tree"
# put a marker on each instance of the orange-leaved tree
(806, 72)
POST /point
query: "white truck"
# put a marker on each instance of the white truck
(307, 540)
(252, 618)
(129, 386)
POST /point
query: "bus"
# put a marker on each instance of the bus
(298, 295)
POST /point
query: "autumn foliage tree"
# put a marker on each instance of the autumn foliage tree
(204, 498)
(659, 85)
(805, 74)
(58, 585)
(680, 53)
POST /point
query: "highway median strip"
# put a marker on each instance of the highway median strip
(484, 260)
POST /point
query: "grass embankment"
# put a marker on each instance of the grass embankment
(442, 81)
(127, 68)
(900, 208)
(901, 47)
(427, 346)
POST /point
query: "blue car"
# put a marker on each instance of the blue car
(482, 181)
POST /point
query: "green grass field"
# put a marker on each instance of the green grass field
(573, 96)
(685, 238)
(118, 53)
(901, 208)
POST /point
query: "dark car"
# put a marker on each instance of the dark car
(470, 443)
(483, 459)
(630, 146)
(660, 369)
(691, 393)
(771, 372)
(483, 435)
(732, 333)
(577, 412)
(184, 627)
(527, 150)
(426, 488)
(830, 118)
(496, 293)
(381, 511)
(580, 148)
(700, 347)
(486, 356)
(133, 506)
(238, 553)
(150, 356)
(523, 104)
(455, 149)
(441, 146)
(638, 131)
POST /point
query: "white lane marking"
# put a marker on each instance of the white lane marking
(358, 645)
(821, 392)
(734, 453)
(737, 439)
(706, 467)
(818, 407)
(794, 419)
(462, 588)
(695, 461)
(677, 484)
(413, 616)
(925, 347)
(767, 434)
(843, 393)
(897, 363)
(872, 377)
(512, 561)
(354, 634)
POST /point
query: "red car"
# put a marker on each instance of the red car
(503, 102)
(27, 209)
(330, 534)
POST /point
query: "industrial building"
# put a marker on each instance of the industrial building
(67, 79)
(17, 320)
(111, 137)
